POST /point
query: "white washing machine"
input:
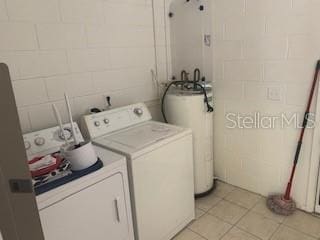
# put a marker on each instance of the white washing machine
(96, 206)
(160, 165)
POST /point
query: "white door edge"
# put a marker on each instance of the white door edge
(313, 183)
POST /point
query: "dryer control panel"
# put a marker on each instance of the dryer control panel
(49, 140)
(99, 124)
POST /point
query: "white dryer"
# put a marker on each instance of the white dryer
(96, 206)
(160, 166)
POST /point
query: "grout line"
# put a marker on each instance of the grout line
(60, 11)
(242, 46)
(263, 71)
(223, 235)
(234, 203)
(237, 204)
(29, 120)
(6, 9)
(118, 69)
(156, 54)
(233, 224)
(86, 33)
(265, 26)
(67, 57)
(255, 236)
(206, 211)
(255, 204)
(240, 219)
(35, 26)
(198, 234)
(80, 96)
(224, 31)
(305, 233)
(216, 218)
(274, 233)
(245, 10)
(287, 48)
(45, 82)
(245, 232)
(249, 233)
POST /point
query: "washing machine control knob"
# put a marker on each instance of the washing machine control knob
(27, 145)
(106, 121)
(97, 123)
(39, 141)
(138, 111)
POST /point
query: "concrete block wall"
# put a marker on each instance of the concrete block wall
(261, 46)
(93, 48)
(89, 48)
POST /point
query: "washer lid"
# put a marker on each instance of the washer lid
(143, 135)
(137, 139)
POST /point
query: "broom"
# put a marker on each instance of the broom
(284, 204)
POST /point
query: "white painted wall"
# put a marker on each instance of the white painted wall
(261, 44)
(89, 48)
(162, 52)
(97, 47)
(184, 34)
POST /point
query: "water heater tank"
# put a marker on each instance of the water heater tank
(188, 109)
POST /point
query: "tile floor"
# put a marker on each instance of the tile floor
(231, 213)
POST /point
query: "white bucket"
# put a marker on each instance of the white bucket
(80, 157)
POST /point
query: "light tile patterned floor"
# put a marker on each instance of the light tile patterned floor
(231, 213)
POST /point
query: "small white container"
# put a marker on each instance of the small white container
(80, 157)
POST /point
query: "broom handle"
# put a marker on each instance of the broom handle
(305, 122)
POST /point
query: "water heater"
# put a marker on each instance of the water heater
(188, 109)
